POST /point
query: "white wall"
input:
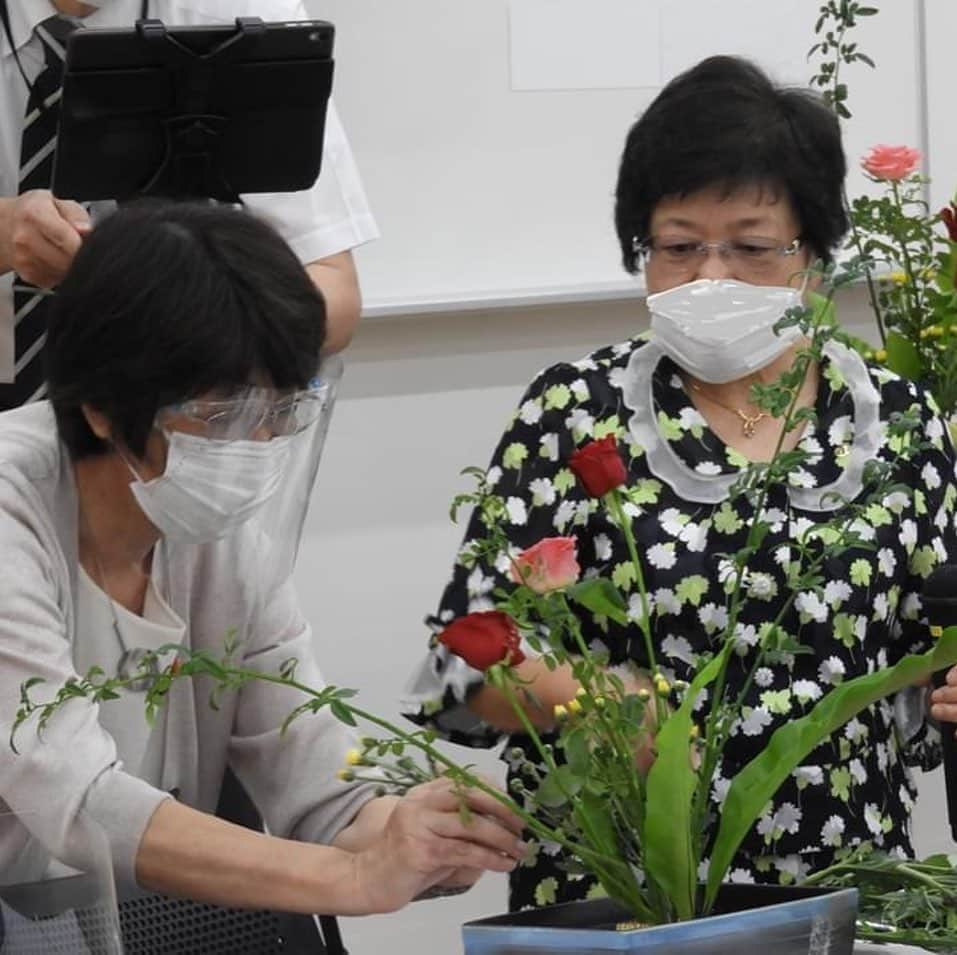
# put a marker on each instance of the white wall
(422, 398)
(449, 137)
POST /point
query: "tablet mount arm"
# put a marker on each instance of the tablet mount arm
(194, 133)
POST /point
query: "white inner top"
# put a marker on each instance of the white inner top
(139, 746)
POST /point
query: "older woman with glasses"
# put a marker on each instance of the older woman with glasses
(146, 504)
(729, 189)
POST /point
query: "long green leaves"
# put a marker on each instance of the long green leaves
(754, 785)
(669, 856)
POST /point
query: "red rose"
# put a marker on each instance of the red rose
(598, 466)
(484, 639)
(948, 216)
(548, 565)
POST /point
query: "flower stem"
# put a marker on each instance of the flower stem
(470, 779)
(613, 498)
(868, 272)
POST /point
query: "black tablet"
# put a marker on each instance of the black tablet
(188, 112)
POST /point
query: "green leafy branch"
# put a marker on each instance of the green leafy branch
(157, 672)
(835, 19)
(903, 901)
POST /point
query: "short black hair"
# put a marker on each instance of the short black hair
(724, 124)
(168, 300)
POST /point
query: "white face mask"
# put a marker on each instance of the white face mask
(722, 330)
(209, 488)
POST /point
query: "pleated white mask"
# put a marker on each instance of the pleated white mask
(209, 488)
(722, 330)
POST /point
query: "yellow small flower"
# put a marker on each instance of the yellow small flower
(695, 731)
(643, 694)
(581, 692)
(353, 758)
(560, 712)
(936, 330)
(662, 687)
(574, 706)
(346, 775)
(880, 356)
(599, 702)
(898, 278)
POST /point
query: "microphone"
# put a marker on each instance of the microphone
(939, 600)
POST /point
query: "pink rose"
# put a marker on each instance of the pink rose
(548, 565)
(892, 163)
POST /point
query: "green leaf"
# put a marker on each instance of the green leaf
(615, 876)
(757, 782)
(577, 752)
(342, 713)
(903, 357)
(558, 787)
(669, 858)
(600, 596)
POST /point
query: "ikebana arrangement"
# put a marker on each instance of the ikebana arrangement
(625, 788)
(906, 251)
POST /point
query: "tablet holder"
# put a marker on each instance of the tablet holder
(183, 121)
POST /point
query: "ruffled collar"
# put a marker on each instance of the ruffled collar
(686, 454)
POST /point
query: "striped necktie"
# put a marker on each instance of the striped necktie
(38, 143)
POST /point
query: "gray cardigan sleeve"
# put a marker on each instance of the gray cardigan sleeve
(73, 766)
(291, 776)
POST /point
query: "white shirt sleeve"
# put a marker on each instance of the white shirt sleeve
(333, 216)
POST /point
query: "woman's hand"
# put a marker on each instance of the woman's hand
(426, 842)
(944, 700)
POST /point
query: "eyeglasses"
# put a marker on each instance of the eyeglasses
(750, 255)
(252, 412)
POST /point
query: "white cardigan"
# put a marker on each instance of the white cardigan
(215, 588)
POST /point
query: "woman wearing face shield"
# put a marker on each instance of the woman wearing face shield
(728, 189)
(146, 504)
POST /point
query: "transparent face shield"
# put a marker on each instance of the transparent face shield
(241, 469)
(230, 505)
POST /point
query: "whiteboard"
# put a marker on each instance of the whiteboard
(488, 194)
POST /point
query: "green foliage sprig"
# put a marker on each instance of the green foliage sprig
(835, 19)
(903, 901)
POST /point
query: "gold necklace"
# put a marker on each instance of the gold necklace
(748, 421)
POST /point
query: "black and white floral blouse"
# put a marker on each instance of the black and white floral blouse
(855, 787)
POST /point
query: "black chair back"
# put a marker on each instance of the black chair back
(159, 925)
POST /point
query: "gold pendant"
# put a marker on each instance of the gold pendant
(748, 422)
